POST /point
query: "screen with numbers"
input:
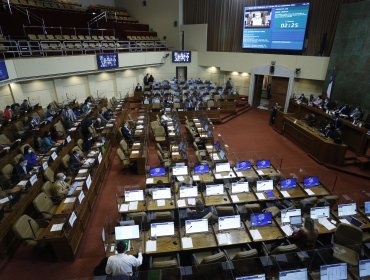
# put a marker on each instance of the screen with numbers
(181, 56)
(3, 71)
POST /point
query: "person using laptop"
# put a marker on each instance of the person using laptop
(60, 187)
(200, 210)
(121, 264)
(305, 238)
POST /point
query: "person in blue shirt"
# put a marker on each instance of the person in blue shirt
(31, 157)
(47, 142)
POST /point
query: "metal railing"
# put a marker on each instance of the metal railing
(97, 19)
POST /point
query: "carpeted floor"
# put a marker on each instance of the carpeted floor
(248, 136)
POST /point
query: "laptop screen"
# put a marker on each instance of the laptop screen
(293, 274)
(134, 195)
(346, 209)
(264, 163)
(188, 191)
(194, 226)
(287, 213)
(156, 172)
(311, 181)
(320, 212)
(364, 268)
(162, 229)
(239, 187)
(261, 219)
(252, 277)
(243, 165)
(295, 220)
(222, 167)
(180, 170)
(367, 207)
(217, 146)
(161, 193)
(127, 232)
(228, 222)
(288, 183)
(217, 189)
(201, 168)
(333, 271)
(221, 154)
(265, 185)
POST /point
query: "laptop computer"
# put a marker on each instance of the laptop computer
(157, 172)
(261, 219)
(311, 181)
(288, 183)
(243, 165)
(295, 222)
(364, 268)
(346, 211)
(333, 271)
(252, 277)
(293, 274)
(262, 164)
(201, 169)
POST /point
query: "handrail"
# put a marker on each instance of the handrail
(25, 12)
(97, 18)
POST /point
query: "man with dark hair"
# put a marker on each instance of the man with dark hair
(121, 264)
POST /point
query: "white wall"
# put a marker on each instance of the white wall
(5, 96)
(38, 91)
(195, 37)
(160, 15)
(308, 87)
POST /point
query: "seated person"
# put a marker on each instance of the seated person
(126, 131)
(146, 100)
(356, 114)
(50, 112)
(310, 119)
(21, 171)
(200, 211)
(303, 99)
(344, 110)
(47, 142)
(328, 130)
(31, 157)
(317, 101)
(337, 136)
(138, 87)
(99, 123)
(122, 264)
(60, 187)
(75, 162)
(306, 237)
(56, 135)
(25, 106)
(7, 114)
(188, 104)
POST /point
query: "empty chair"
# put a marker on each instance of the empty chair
(247, 209)
(47, 189)
(124, 147)
(80, 143)
(239, 253)
(164, 162)
(225, 210)
(347, 241)
(49, 174)
(59, 127)
(124, 160)
(165, 154)
(44, 205)
(206, 257)
(28, 230)
(163, 216)
(140, 219)
(79, 151)
(17, 158)
(65, 161)
(6, 177)
(159, 134)
(4, 140)
(285, 249)
(163, 262)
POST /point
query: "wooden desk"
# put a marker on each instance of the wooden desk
(249, 174)
(136, 146)
(234, 236)
(141, 206)
(165, 244)
(64, 208)
(187, 205)
(268, 232)
(293, 193)
(150, 181)
(139, 156)
(243, 197)
(201, 240)
(323, 230)
(274, 191)
(111, 244)
(359, 216)
(225, 175)
(153, 206)
(177, 157)
(319, 190)
(270, 172)
(216, 199)
(204, 178)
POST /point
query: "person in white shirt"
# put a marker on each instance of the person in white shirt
(121, 264)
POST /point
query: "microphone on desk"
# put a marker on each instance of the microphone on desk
(186, 230)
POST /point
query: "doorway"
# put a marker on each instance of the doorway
(181, 73)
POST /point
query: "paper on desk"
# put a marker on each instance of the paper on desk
(260, 195)
(81, 171)
(175, 153)
(180, 178)
(309, 192)
(112, 248)
(325, 222)
(149, 180)
(73, 129)
(223, 238)
(69, 200)
(80, 178)
(285, 193)
(151, 246)
(161, 202)
(260, 172)
(123, 208)
(234, 198)
(255, 234)
(218, 176)
(196, 178)
(133, 205)
(287, 230)
(191, 201)
(78, 188)
(109, 125)
(4, 200)
(135, 151)
(187, 242)
(240, 174)
(22, 183)
(344, 221)
(181, 203)
(57, 227)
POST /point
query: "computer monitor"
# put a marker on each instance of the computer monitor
(263, 163)
(333, 271)
(127, 232)
(367, 207)
(188, 191)
(222, 154)
(180, 170)
(228, 222)
(195, 226)
(364, 268)
(348, 209)
(265, 185)
(243, 165)
(158, 171)
(161, 193)
(300, 274)
(201, 168)
(217, 189)
(287, 213)
(295, 220)
(288, 183)
(311, 181)
(239, 187)
(261, 219)
(162, 229)
(222, 167)
(252, 277)
(134, 195)
(320, 212)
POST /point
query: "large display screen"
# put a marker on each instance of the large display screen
(278, 27)
(3, 71)
(107, 61)
(181, 56)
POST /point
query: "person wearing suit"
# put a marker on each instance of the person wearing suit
(200, 211)
(138, 87)
(126, 132)
(21, 171)
(60, 187)
(75, 162)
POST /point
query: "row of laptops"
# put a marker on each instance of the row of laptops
(327, 272)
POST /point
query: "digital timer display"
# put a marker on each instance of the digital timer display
(279, 27)
(181, 56)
